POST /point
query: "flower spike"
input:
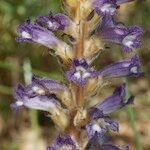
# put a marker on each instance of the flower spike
(76, 39)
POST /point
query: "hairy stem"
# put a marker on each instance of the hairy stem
(79, 54)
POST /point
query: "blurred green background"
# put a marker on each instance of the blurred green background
(29, 130)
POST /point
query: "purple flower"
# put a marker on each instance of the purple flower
(128, 37)
(109, 7)
(80, 72)
(54, 22)
(123, 68)
(38, 94)
(39, 102)
(101, 123)
(35, 33)
(112, 103)
(63, 142)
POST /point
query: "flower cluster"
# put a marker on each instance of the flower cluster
(88, 28)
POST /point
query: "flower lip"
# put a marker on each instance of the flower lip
(80, 72)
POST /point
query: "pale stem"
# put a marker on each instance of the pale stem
(79, 54)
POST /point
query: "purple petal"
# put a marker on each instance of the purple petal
(108, 7)
(39, 102)
(54, 22)
(103, 7)
(123, 69)
(44, 86)
(97, 140)
(123, 1)
(95, 113)
(111, 124)
(115, 102)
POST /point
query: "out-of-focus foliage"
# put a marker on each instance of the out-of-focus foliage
(12, 55)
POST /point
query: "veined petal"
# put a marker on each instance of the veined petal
(109, 7)
(38, 102)
(114, 102)
(123, 68)
(80, 72)
(43, 86)
(103, 7)
(54, 22)
(112, 124)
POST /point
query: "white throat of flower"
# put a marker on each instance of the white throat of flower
(26, 35)
(19, 103)
(81, 73)
(38, 90)
(108, 8)
(134, 69)
(52, 25)
(128, 40)
(96, 128)
(66, 147)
